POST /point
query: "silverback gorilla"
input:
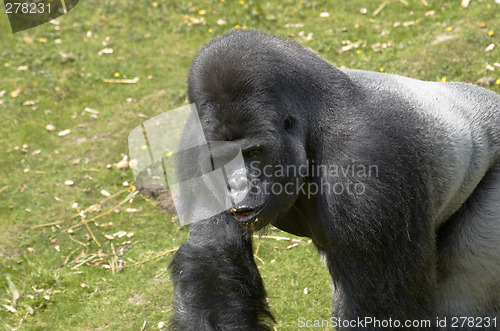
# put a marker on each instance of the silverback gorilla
(417, 240)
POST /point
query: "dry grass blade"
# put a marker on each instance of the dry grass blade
(78, 242)
(120, 81)
(256, 252)
(153, 257)
(272, 237)
(380, 8)
(85, 210)
(130, 196)
(90, 231)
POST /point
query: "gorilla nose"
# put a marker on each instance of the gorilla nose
(238, 180)
(238, 184)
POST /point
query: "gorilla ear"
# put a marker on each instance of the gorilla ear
(289, 123)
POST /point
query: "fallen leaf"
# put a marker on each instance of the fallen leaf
(64, 133)
(443, 37)
(37, 290)
(15, 296)
(120, 234)
(481, 25)
(296, 25)
(485, 81)
(10, 308)
(105, 51)
(123, 164)
(90, 110)
(67, 56)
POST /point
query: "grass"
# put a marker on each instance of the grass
(52, 279)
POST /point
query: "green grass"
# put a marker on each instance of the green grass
(41, 271)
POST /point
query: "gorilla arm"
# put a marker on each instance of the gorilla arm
(217, 283)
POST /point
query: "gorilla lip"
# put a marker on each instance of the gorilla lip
(245, 214)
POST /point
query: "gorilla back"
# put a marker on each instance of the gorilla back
(414, 239)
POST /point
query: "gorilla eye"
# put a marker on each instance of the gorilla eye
(253, 152)
(289, 123)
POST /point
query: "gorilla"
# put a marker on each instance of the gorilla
(395, 180)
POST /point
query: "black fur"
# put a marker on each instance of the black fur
(381, 249)
(216, 280)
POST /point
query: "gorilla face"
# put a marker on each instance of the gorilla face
(273, 151)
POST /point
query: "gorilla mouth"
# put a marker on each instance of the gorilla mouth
(246, 214)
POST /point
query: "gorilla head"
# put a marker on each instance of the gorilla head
(251, 98)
